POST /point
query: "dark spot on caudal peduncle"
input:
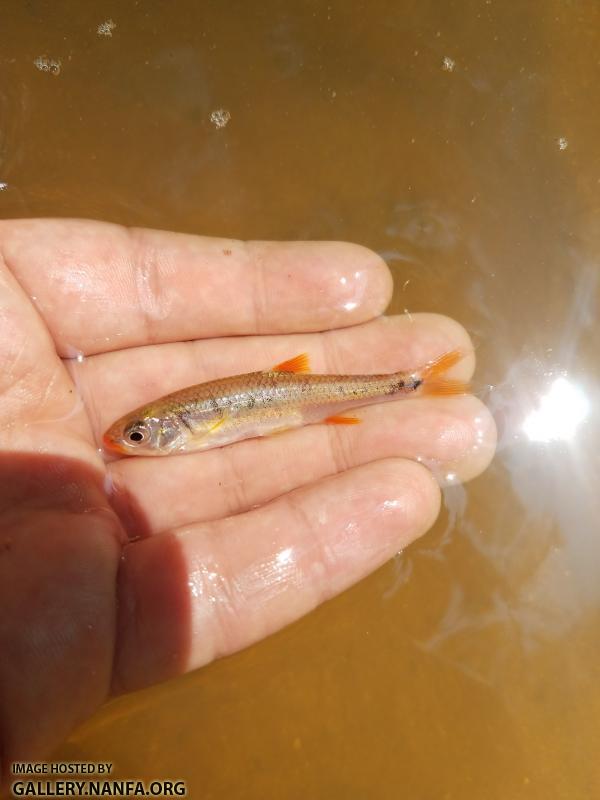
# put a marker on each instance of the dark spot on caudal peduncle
(409, 385)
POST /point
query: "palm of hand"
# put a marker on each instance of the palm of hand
(116, 576)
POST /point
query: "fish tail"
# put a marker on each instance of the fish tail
(434, 384)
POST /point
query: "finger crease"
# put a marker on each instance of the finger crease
(260, 304)
(236, 496)
(151, 300)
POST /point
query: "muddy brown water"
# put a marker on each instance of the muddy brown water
(461, 140)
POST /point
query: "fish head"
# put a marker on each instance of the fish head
(140, 434)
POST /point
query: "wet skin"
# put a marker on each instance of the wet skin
(118, 575)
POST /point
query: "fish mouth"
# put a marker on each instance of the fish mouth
(114, 446)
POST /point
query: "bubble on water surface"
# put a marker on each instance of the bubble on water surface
(220, 117)
(3, 186)
(106, 28)
(562, 143)
(45, 64)
(448, 64)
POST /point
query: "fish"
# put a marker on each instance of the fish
(228, 410)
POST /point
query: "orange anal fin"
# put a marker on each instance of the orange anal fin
(338, 419)
(299, 363)
(440, 387)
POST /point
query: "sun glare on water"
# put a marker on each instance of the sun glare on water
(560, 412)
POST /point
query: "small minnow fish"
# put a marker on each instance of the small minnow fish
(228, 410)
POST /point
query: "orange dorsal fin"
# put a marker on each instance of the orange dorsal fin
(297, 364)
(431, 375)
(338, 419)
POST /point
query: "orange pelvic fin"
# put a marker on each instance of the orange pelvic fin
(297, 364)
(435, 384)
(338, 419)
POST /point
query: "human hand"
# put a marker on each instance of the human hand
(115, 576)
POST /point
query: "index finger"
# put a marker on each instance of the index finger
(103, 287)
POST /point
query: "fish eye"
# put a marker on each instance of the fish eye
(137, 434)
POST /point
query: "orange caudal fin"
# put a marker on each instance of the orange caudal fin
(441, 387)
(297, 364)
(338, 419)
(435, 384)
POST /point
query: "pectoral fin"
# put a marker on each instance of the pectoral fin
(215, 426)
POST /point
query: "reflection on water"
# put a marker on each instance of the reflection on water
(424, 228)
(460, 142)
(560, 412)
